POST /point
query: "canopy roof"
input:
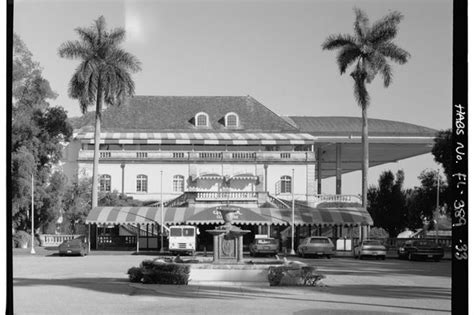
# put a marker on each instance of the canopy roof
(244, 215)
(207, 138)
(389, 141)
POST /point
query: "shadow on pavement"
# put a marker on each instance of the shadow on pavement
(384, 268)
(293, 294)
(339, 312)
(391, 291)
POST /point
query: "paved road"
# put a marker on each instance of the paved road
(97, 284)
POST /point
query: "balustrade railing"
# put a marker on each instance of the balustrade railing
(338, 198)
(55, 239)
(201, 155)
(226, 195)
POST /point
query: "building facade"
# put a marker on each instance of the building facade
(189, 155)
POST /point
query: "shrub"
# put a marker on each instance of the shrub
(275, 274)
(135, 274)
(294, 275)
(158, 271)
(21, 239)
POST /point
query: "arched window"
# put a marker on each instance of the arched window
(178, 183)
(142, 183)
(285, 184)
(105, 183)
(202, 119)
(231, 120)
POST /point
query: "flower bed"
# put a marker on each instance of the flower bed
(159, 271)
(294, 275)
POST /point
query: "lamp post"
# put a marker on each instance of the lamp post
(292, 212)
(437, 209)
(161, 203)
(32, 216)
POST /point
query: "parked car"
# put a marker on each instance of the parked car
(316, 245)
(370, 248)
(422, 249)
(264, 245)
(76, 246)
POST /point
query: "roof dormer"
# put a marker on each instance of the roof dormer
(201, 120)
(231, 120)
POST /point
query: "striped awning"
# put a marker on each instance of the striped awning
(244, 215)
(210, 176)
(208, 138)
(244, 177)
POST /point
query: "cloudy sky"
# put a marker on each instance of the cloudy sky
(270, 50)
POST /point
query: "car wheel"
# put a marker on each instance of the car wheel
(328, 256)
(437, 259)
(383, 257)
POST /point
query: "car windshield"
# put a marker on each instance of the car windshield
(175, 232)
(424, 243)
(266, 241)
(188, 232)
(372, 243)
(319, 241)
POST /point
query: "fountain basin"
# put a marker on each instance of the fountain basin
(230, 272)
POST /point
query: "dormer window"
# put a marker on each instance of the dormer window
(202, 120)
(231, 120)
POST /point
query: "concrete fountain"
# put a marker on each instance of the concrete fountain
(228, 239)
(228, 263)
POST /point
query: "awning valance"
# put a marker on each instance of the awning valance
(210, 176)
(244, 177)
(244, 215)
(208, 138)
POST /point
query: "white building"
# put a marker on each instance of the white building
(197, 153)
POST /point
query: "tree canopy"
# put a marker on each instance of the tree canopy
(38, 134)
(387, 203)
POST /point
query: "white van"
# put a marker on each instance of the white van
(182, 239)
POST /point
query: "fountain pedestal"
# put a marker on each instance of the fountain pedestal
(228, 239)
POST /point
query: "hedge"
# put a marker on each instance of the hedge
(158, 271)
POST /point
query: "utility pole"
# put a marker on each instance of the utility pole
(292, 212)
(162, 217)
(32, 216)
(437, 210)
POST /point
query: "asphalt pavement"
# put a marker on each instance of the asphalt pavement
(97, 284)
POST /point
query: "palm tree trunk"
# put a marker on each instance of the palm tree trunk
(365, 155)
(95, 169)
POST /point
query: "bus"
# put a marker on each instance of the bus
(182, 239)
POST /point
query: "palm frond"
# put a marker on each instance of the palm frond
(394, 52)
(123, 59)
(346, 56)
(360, 91)
(73, 49)
(116, 36)
(361, 94)
(385, 29)
(373, 63)
(339, 40)
(100, 28)
(361, 24)
(387, 75)
(87, 35)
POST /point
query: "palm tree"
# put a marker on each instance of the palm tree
(369, 48)
(103, 75)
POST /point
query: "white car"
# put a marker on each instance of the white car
(370, 248)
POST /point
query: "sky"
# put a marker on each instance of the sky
(270, 50)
